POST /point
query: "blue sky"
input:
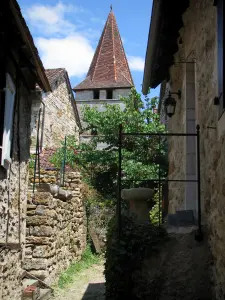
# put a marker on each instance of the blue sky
(66, 32)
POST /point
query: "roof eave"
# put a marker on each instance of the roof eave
(73, 101)
(24, 31)
(76, 89)
(151, 46)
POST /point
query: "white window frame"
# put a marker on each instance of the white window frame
(10, 92)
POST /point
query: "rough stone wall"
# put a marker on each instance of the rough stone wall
(10, 274)
(176, 144)
(59, 119)
(13, 199)
(199, 38)
(87, 95)
(46, 176)
(56, 231)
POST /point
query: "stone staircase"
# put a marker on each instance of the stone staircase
(183, 221)
(33, 291)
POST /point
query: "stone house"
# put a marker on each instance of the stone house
(20, 70)
(185, 52)
(108, 77)
(58, 112)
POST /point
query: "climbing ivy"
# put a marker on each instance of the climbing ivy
(125, 256)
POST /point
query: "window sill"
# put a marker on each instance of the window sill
(6, 164)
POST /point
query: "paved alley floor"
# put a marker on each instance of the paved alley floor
(89, 285)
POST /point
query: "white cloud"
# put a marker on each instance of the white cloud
(73, 53)
(51, 19)
(62, 43)
(97, 20)
(136, 63)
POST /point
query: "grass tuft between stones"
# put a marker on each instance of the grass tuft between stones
(87, 260)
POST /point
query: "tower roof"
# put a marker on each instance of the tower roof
(109, 67)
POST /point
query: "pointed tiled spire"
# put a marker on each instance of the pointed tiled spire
(109, 67)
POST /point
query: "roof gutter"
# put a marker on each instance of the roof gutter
(73, 101)
(151, 46)
(161, 95)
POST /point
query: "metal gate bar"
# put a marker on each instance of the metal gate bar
(121, 134)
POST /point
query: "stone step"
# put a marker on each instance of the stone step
(35, 293)
(45, 294)
(182, 218)
(29, 282)
(31, 292)
(181, 229)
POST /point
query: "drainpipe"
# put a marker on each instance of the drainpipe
(42, 126)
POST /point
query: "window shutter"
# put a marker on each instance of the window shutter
(220, 55)
(8, 121)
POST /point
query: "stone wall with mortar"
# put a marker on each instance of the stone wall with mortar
(86, 98)
(46, 176)
(13, 200)
(48, 172)
(56, 231)
(198, 35)
(59, 117)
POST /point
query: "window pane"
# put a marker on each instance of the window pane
(8, 120)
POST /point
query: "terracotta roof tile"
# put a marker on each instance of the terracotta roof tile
(109, 67)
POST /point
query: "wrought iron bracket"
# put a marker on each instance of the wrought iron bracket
(185, 62)
(190, 59)
(178, 93)
(217, 99)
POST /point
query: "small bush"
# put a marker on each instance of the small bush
(124, 257)
(99, 212)
(156, 211)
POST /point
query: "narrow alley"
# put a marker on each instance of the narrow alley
(112, 142)
(89, 285)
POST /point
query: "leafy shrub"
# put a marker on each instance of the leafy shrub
(32, 162)
(99, 211)
(156, 211)
(125, 256)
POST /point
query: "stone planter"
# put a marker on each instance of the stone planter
(138, 205)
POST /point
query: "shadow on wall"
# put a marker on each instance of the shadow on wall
(95, 291)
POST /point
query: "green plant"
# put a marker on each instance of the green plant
(99, 211)
(140, 153)
(156, 211)
(32, 161)
(125, 256)
(87, 260)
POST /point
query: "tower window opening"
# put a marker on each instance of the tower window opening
(96, 94)
(109, 94)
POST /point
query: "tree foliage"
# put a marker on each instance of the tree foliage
(141, 154)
